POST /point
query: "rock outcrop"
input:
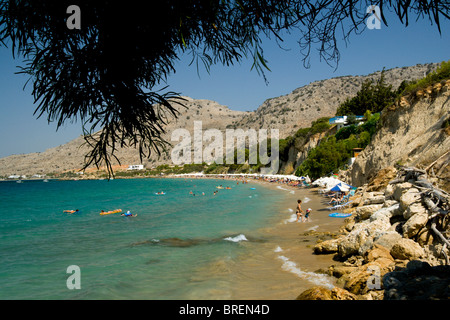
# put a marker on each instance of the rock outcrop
(394, 250)
(298, 153)
(412, 133)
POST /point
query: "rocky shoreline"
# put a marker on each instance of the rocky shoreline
(394, 246)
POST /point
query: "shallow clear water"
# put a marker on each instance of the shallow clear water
(156, 255)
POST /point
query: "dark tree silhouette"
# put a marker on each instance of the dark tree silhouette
(104, 73)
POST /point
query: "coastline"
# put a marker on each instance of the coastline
(388, 236)
(285, 264)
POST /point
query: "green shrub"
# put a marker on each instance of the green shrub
(334, 152)
(372, 96)
(345, 132)
(441, 73)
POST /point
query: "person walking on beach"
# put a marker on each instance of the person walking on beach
(299, 210)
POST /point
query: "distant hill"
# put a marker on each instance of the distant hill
(299, 108)
(287, 113)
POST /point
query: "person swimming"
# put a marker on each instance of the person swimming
(71, 211)
(127, 214)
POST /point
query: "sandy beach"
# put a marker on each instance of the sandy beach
(282, 264)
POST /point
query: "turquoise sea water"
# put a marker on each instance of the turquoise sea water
(151, 256)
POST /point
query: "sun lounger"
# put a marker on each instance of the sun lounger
(340, 206)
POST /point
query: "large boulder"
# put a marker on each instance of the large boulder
(377, 252)
(321, 293)
(389, 192)
(413, 209)
(407, 249)
(376, 199)
(327, 246)
(414, 225)
(388, 212)
(351, 243)
(387, 239)
(399, 189)
(409, 197)
(425, 237)
(339, 271)
(360, 239)
(349, 224)
(365, 212)
(368, 276)
(381, 180)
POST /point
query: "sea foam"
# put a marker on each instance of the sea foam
(313, 228)
(318, 279)
(238, 238)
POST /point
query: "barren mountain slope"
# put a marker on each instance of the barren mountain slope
(299, 108)
(70, 156)
(286, 113)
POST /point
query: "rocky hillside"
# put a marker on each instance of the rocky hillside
(319, 99)
(70, 156)
(287, 113)
(412, 133)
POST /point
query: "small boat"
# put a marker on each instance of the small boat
(110, 212)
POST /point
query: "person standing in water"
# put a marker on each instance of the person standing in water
(307, 214)
(299, 210)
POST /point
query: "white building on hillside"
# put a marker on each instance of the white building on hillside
(136, 167)
(342, 121)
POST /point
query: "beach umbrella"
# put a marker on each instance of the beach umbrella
(340, 187)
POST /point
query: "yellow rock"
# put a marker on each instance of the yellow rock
(321, 293)
(437, 87)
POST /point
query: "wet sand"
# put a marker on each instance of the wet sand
(283, 264)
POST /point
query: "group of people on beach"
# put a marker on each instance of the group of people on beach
(300, 212)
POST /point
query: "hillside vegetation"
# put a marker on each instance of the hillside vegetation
(414, 131)
(333, 152)
(292, 114)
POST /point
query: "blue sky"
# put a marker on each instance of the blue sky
(236, 87)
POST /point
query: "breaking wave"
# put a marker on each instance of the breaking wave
(318, 279)
(238, 238)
